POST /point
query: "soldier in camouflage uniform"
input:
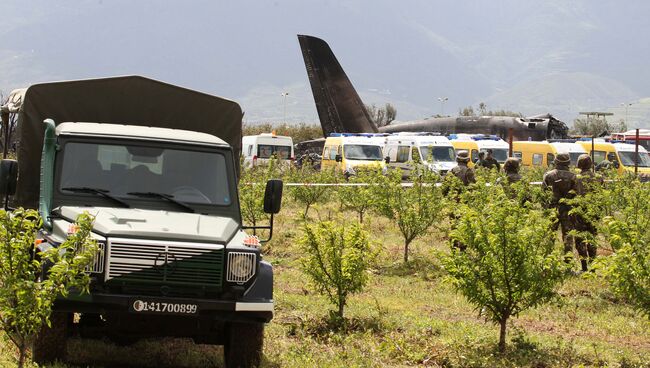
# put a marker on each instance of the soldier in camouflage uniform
(564, 184)
(511, 168)
(466, 176)
(586, 179)
(462, 172)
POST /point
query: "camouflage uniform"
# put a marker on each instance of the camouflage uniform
(466, 176)
(564, 185)
(511, 167)
(585, 180)
(490, 162)
(462, 172)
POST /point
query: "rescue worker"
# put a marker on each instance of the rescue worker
(462, 171)
(490, 161)
(511, 168)
(586, 180)
(564, 185)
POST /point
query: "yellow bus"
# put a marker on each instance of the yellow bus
(532, 153)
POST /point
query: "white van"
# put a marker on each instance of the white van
(435, 151)
(258, 149)
(572, 148)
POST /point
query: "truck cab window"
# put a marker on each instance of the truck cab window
(189, 176)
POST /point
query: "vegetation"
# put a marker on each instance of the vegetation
(508, 262)
(27, 294)
(251, 191)
(414, 208)
(309, 195)
(482, 110)
(409, 314)
(298, 132)
(596, 127)
(360, 198)
(382, 116)
(336, 259)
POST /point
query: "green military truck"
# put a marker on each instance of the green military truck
(156, 165)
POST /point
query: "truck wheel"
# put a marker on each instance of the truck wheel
(50, 344)
(243, 345)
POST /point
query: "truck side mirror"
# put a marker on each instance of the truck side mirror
(8, 177)
(339, 158)
(273, 196)
(387, 159)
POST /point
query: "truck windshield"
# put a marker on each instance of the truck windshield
(627, 159)
(362, 152)
(123, 169)
(437, 154)
(267, 150)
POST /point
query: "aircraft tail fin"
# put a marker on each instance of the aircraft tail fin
(339, 107)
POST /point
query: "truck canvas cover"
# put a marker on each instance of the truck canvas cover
(131, 100)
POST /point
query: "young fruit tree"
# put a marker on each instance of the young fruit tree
(311, 192)
(251, 191)
(32, 282)
(414, 208)
(510, 262)
(626, 230)
(336, 260)
(359, 196)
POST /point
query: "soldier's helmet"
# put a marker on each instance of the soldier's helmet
(462, 156)
(584, 162)
(511, 165)
(562, 159)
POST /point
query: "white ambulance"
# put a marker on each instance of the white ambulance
(404, 149)
(258, 149)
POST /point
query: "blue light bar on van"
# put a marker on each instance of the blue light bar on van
(562, 140)
(476, 137)
(417, 134)
(369, 135)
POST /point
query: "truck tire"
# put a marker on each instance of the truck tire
(243, 345)
(50, 344)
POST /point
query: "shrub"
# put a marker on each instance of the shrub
(251, 191)
(336, 259)
(308, 194)
(414, 208)
(27, 296)
(510, 262)
(360, 198)
(626, 230)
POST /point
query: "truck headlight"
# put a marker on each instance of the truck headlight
(241, 267)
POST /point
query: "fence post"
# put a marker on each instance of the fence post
(510, 142)
(636, 153)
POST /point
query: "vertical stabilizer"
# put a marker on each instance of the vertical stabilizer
(339, 107)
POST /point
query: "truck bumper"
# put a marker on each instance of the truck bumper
(226, 310)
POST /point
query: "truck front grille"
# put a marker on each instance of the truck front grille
(97, 265)
(152, 261)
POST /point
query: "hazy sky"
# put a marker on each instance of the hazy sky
(528, 56)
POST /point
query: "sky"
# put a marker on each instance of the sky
(532, 57)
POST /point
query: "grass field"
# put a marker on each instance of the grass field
(408, 316)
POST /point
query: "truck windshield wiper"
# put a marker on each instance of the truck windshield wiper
(99, 192)
(167, 197)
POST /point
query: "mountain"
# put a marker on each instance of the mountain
(523, 55)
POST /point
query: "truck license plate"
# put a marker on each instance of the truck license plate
(163, 307)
